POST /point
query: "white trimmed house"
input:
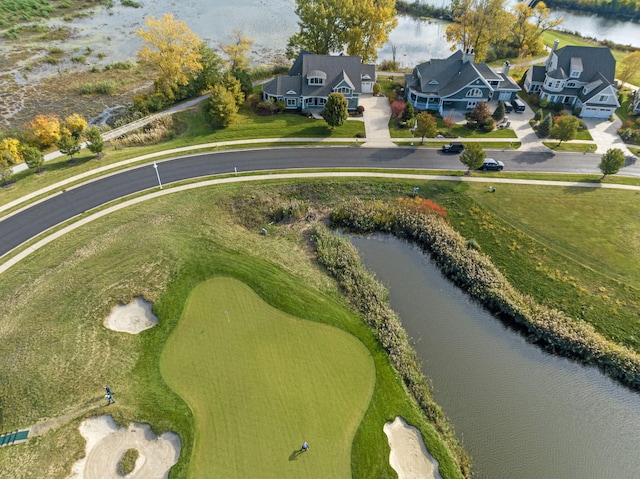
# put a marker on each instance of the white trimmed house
(579, 77)
(457, 83)
(313, 78)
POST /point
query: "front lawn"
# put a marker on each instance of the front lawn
(564, 146)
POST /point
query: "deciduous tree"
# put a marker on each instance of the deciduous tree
(10, 150)
(529, 25)
(477, 24)
(238, 50)
(473, 156)
(95, 143)
(426, 126)
(360, 27)
(629, 66)
(68, 144)
(44, 130)
(335, 110)
(172, 48)
(33, 158)
(75, 124)
(232, 84)
(611, 162)
(223, 109)
(565, 128)
(481, 113)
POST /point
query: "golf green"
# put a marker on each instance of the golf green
(261, 382)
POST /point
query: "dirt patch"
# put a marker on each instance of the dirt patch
(131, 318)
(107, 443)
(409, 456)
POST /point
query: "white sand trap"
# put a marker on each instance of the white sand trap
(107, 443)
(409, 456)
(131, 318)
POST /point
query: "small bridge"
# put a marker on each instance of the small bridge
(15, 437)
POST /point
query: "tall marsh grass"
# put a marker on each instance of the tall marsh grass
(474, 272)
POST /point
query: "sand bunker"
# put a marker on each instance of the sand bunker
(107, 443)
(131, 318)
(409, 456)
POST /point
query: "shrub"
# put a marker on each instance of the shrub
(360, 109)
(388, 66)
(537, 115)
(397, 108)
(376, 88)
(102, 87)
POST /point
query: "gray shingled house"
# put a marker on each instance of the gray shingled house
(313, 77)
(457, 83)
(578, 77)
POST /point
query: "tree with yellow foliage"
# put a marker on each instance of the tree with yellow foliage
(629, 66)
(75, 124)
(173, 49)
(238, 50)
(44, 130)
(10, 151)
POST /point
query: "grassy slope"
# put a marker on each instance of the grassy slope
(55, 300)
(261, 382)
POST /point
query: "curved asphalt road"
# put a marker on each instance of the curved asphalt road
(30, 222)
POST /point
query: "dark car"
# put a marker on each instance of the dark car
(491, 165)
(453, 148)
(518, 105)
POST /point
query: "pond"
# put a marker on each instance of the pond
(522, 413)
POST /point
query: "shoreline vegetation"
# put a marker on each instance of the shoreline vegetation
(629, 10)
(472, 271)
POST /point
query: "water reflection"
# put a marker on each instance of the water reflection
(523, 414)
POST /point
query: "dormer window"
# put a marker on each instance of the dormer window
(433, 82)
(343, 89)
(575, 74)
(316, 78)
(475, 92)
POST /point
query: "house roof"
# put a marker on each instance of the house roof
(538, 73)
(333, 68)
(444, 77)
(594, 61)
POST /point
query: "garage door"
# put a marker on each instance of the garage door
(592, 112)
(504, 96)
(367, 87)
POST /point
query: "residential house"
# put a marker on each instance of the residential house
(635, 102)
(579, 77)
(312, 78)
(457, 83)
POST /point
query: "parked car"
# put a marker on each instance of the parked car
(507, 107)
(518, 105)
(491, 165)
(453, 148)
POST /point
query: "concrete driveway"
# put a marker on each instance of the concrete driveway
(377, 113)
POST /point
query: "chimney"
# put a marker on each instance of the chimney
(468, 55)
(555, 45)
(505, 68)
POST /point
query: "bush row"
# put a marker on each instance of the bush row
(370, 298)
(475, 273)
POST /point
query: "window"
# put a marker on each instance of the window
(343, 89)
(571, 84)
(316, 81)
(291, 102)
(575, 74)
(475, 92)
(557, 85)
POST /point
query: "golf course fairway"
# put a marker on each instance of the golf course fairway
(261, 382)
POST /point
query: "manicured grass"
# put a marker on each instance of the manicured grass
(564, 146)
(260, 382)
(456, 131)
(55, 300)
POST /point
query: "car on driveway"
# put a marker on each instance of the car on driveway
(491, 165)
(453, 148)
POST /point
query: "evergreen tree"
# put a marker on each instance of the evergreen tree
(499, 112)
(33, 158)
(409, 112)
(223, 109)
(335, 110)
(544, 128)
